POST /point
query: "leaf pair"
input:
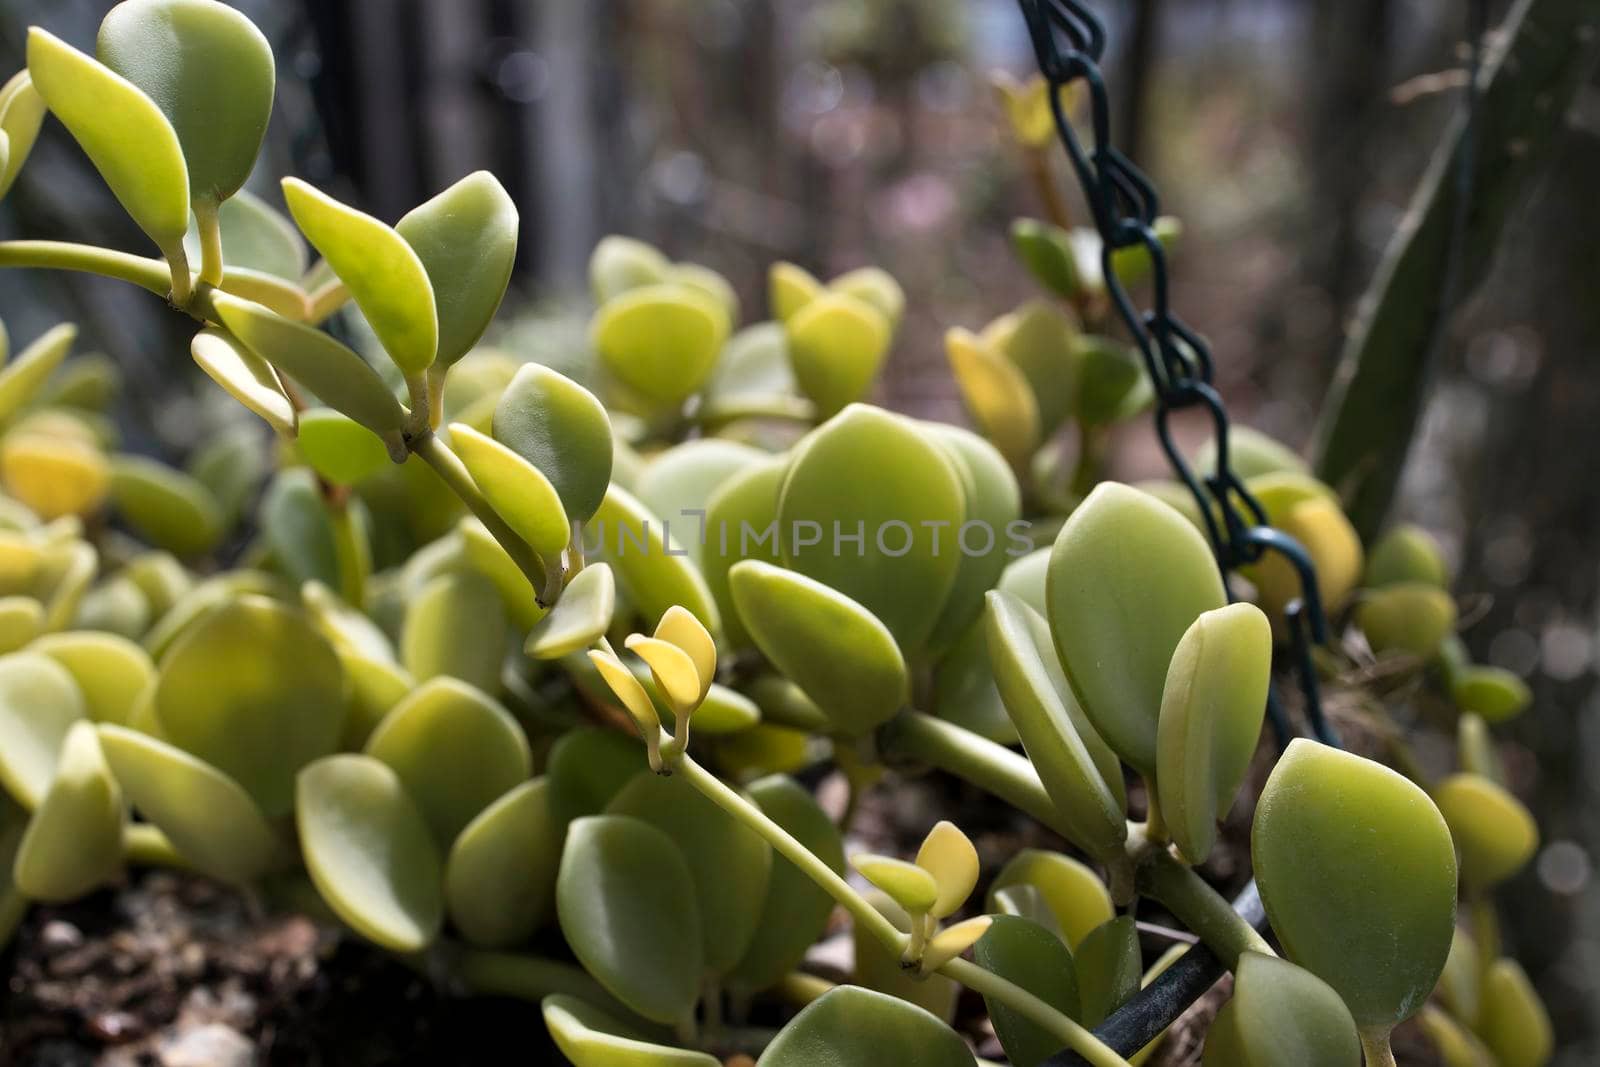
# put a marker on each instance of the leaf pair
(838, 334)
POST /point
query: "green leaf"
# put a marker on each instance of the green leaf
(1041, 340)
(1108, 968)
(296, 525)
(1494, 834)
(74, 841)
(1457, 1045)
(247, 377)
(588, 1037)
(876, 287)
(661, 340)
(1024, 578)
(489, 558)
(790, 288)
(369, 852)
(627, 904)
(207, 816)
(994, 502)
(579, 619)
(21, 620)
(231, 466)
(516, 489)
(965, 692)
(837, 343)
(737, 519)
(39, 703)
(1128, 575)
(853, 1027)
(558, 426)
(1406, 553)
(652, 567)
(1515, 1023)
(1250, 453)
(125, 135)
(455, 750)
(257, 237)
(1047, 253)
(225, 697)
(1027, 955)
(729, 863)
(1411, 618)
(1461, 984)
(795, 910)
(22, 112)
(835, 650)
(1042, 712)
(708, 282)
(677, 484)
(1493, 692)
(339, 377)
(1211, 712)
(209, 70)
(466, 238)
(500, 877)
(1112, 384)
(587, 766)
(1281, 1014)
(1358, 874)
(23, 377)
(111, 671)
(619, 264)
(385, 276)
(339, 449)
(996, 394)
(166, 507)
(456, 626)
(1075, 895)
(870, 473)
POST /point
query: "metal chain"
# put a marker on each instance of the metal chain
(1068, 41)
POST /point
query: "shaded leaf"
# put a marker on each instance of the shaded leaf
(500, 877)
(74, 841)
(853, 1027)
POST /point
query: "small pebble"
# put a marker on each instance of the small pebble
(212, 1045)
(115, 1027)
(58, 936)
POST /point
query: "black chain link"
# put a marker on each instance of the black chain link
(1068, 41)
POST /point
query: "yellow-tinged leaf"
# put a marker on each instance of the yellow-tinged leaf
(1494, 834)
(628, 690)
(1515, 1023)
(790, 288)
(673, 670)
(678, 626)
(24, 376)
(913, 888)
(516, 489)
(837, 342)
(949, 856)
(661, 340)
(111, 671)
(579, 619)
(247, 377)
(21, 620)
(54, 477)
(74, 841)
(22, 112)
(996, 393)
(384, 273)
(951, 942)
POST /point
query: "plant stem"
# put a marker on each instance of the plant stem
(800, 989)
(142, 271)
(1198, 906)
(869, 918)
(1485, 926)
(1375, 1046)
(351, 553)
(1155, 827)
(448, 465)
(205, 217)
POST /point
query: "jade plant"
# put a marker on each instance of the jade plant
(512, 658)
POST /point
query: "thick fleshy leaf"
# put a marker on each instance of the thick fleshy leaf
(871, 507)
(587, 766)
(456, 626)
(754, 364)
(54, 476)
(579, 619)
(1250, 453)
(1461, 985)
(650, 563)
(679, 627)
(627, 904)
(588, 1037)
(1494, 834)
(111, 671)
(997, 395)
(1211, 712)
(672, 671)
(1410, 618)
(619, 264)
(1077, 783)
(952, 941)
(22, 112)
(1515, 1023)
(837, 342)
(677, 484)
(386, 277)
(516, 489)
(246, 376)
(1047, 253)
(965, 692)
(1108, 967)
(376, 686)
(908, 885)
(369, 852)
(853, 1027)
(741, 524)
(74, 840)
(455, 750)
(466, 238)
(1333, 545)
(1074, 893)
(224, 696)
(21, 620)
(661, 340)
(1358, 874)
(1406, 554)
(1493, 692)
(729, 863)
(1041, 340)
(1112, 384)
(876, 287)
(209, 70)
(795, 910)
(338, 448)
(708, 282)
(500, 877)
(339, 377)
(257, 237)
(1457, 1045)
(166, 507)
(790, 288)
(209, 819)
(123, 132)
(1128, 575)
(489, 558)
(1281, 1014)
(297, 525)
(948, 855)
(558, 426)
(39, 703)
(1028, 955)
(629, 690)
(986, 539)
(1025, 578)
(23, 377)
(844, 659)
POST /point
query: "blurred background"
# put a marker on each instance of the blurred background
(1288, 137)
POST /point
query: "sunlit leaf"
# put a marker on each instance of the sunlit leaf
(661, 340)
(39, 703)
(910, 886)
(1075, 894)
(997, 395)
(588, 1037)
(257, 237)
(339, 449)
(111, 671)
(1410, 618)
(456, 626)
(579, 619)
(22, 112)
(790, 288)
(74, 840)
(837, 342)
(619, 264)
(853, 1027)
(516, 489)
(558, 426)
